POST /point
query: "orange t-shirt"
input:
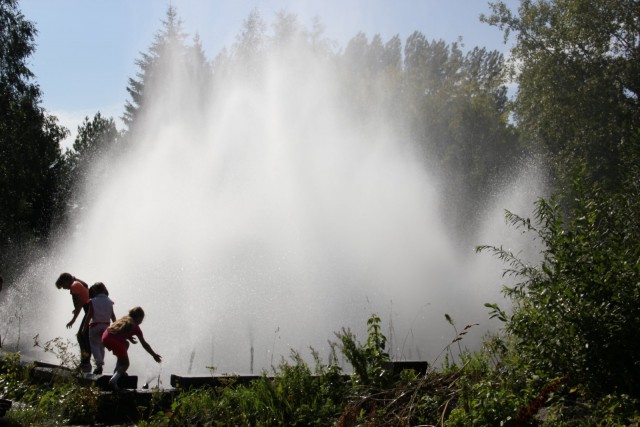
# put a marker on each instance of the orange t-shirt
(79, 289)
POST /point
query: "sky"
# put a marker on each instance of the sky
(86, 50)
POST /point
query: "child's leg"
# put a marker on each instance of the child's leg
(97, 347)
(121, 367)
(95, 339)
(85, 346)
(102, 351)
(123, 364)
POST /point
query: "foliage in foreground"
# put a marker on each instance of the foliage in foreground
(493, 386)
(567, 355)
(61, 402)
(297, 396)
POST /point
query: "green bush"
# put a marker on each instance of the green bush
(62, 401)
(295, 396)
(578, 313)
(368, 360)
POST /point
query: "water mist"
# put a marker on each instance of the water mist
(264, 219)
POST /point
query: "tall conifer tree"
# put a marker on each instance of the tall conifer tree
(168, 42)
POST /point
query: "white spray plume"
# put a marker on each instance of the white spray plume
(266, 218)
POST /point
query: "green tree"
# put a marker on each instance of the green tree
(156, 67)
(578, 312)
(173, 78)
(92, 152)
(578, 74)
(199, 70)
(249, 47)
(30, 157)
(286, 29)
(456, 107)
(371, 77)
(95, 138)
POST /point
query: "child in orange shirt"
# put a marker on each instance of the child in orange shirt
(79, 291)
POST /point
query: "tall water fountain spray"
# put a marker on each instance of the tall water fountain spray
(264, 218)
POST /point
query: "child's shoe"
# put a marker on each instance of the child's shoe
(113, 383)
(98, 370)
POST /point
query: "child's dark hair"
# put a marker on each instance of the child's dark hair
(97, 289)
(136, 312)
(65, 278)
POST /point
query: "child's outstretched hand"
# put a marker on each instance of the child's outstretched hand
(157, 358)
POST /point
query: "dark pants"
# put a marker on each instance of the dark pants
(83, 339)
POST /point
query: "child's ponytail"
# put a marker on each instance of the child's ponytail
(125, 323)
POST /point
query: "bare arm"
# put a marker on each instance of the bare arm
(76, 311)
(85, 326)
(147, 347)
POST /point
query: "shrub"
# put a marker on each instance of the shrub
(295, 396)
(578, 313)
(368, 360)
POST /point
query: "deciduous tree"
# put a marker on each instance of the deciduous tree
(577, 68)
